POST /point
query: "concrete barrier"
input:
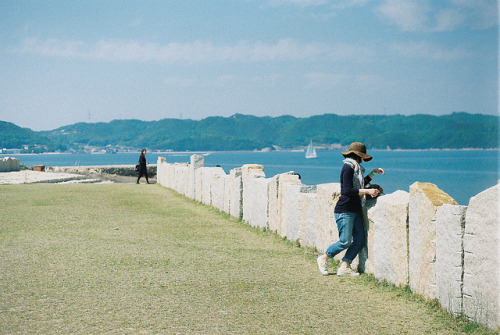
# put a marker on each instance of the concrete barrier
(8, 164)
(421, 238)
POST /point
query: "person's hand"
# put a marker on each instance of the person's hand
(373, 192)
(378, 170)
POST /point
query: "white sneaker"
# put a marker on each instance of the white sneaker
(322, 266)
(347, 272)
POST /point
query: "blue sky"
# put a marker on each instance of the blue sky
(63, 62)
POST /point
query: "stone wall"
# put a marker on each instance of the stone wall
(8, 164)
(420, 238)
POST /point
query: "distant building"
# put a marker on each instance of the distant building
(10, 151)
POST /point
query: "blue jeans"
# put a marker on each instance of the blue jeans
(352, 236)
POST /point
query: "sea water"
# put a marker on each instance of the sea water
(460, 173)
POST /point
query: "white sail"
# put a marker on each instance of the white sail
(311, 152)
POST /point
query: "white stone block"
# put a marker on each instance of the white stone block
(450, 225)
(276, 198)
(199, 183)
(425, 198)
(8, 164)
(226, 207)
(236, 200)
(326, 227)
(181, 177)
(387, 238)
(160, 170)
(255, 195)
(207, 179)
(196, 162)
(307, 207)
(218, 189)
(481, 284)
(14, 164)
(170, 176)
(290, 224)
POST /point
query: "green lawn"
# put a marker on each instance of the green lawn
(140, 259)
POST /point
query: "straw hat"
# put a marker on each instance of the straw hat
(358, 149)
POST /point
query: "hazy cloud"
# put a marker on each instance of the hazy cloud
(136, 22)
(408, 15)
(180, 82)
(419, 15)
(325, 80)
(479, 14)
(299, 3)
(193, 52)
(428, 51)
(361, 82)
(333, 4)
(221, 81)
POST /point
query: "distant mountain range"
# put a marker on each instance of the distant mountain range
(245, 132)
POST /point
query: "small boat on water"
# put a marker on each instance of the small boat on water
(311, 152)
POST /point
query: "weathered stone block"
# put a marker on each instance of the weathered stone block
(170, 180)
(208, 178)
(481, 284)
(450, 225)
(8, 164)
(326, 226)
(236, 193)
(255, 195)
(217, 190)
(196, 162)
(425, 198)
(307, 207)
(290, 212)
(227, 194)
(276, 198)
(198, 183)
(387, 238)
(181, 177)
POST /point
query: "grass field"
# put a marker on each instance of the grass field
(140, 259)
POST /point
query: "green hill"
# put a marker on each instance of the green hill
(246, 132)
(15, 137)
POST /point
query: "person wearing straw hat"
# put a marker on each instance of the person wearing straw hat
(348, 210)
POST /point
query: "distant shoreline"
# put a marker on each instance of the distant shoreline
(249, 151)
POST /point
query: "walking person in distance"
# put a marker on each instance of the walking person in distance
(348, 210)
(143, 166)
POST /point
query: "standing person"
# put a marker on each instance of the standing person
(348, 210)
(143, 166)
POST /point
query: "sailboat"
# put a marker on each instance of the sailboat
(311, 152)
